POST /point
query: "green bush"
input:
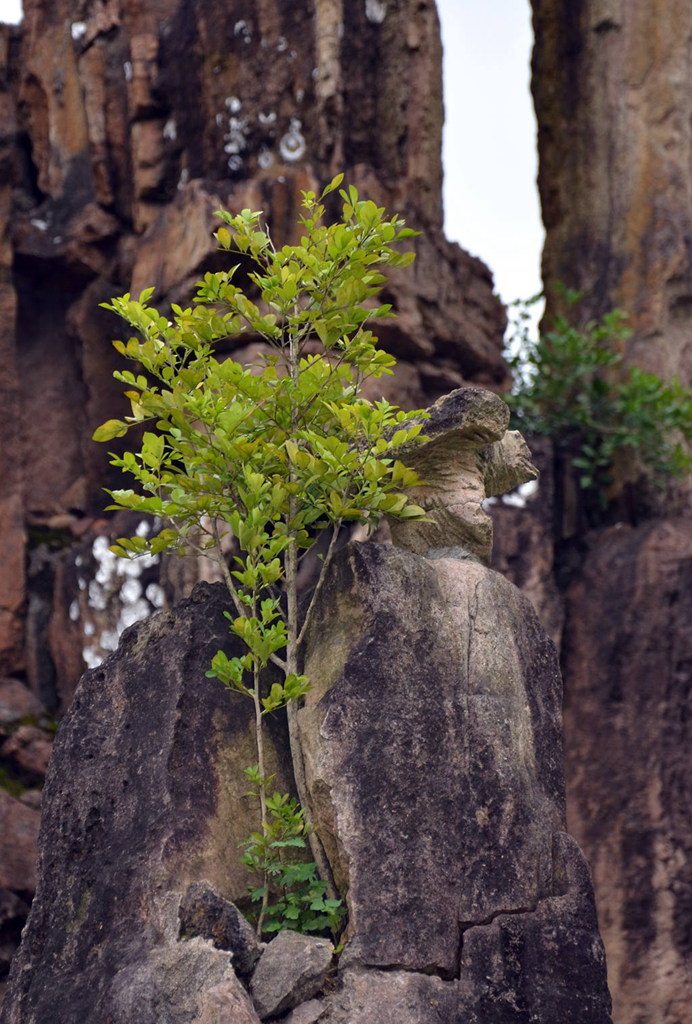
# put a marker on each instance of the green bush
(572, 386)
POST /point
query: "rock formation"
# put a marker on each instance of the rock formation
(612, 85)
(432, 744)
(612, 88)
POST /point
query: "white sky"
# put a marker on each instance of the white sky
(490, 196)
(489, 153)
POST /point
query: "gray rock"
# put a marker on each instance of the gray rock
(291, 970)
(306, 1013)
(182, 983)
(433, 750)
(203, 912)
(544, 966)
(393, 997)
(144, 794)
(433, 754)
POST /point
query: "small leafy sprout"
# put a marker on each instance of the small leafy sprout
(274, 455)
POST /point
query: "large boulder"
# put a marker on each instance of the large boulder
(431, 742)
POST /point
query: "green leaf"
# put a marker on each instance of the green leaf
(110, 429)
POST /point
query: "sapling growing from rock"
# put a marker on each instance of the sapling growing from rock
(273, 454)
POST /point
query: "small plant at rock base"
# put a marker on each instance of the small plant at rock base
(273, 454)
(571, 386)
(292, 895)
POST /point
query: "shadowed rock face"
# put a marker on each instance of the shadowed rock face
(144, 795)
(613, 89)
(628, 662)
(431, 741)
(436, 759)
(123, 127)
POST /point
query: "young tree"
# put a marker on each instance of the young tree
(273, 454)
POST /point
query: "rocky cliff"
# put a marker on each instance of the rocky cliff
(124, 127)
(121, 131)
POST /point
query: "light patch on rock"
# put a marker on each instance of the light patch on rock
(523, 494)
(375, 10)
(170, 130)
(78, 30)
(292, 146)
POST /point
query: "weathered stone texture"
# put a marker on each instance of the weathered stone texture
(124, 126)
(145, 794)
(628, 675)
(612, 83)
(291, 970)
(434, 771)
(436, 777)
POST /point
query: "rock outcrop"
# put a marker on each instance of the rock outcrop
(432, 747)
(628, 662)
(145, 795)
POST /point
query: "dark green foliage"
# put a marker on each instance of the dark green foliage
(572, 386)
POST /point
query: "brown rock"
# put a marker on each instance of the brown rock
(17, 702)
(18, 845)
(627, 661)
(29, 749)
(464, 454)
(123, 128)
(612, 85)
(523, 542)
(306, 1013)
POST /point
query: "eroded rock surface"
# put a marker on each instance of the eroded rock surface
(435, 775)
(124, 127)
(628, 672)
(291, 970)
(612, 84)
(145, 794)
(466, 456)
